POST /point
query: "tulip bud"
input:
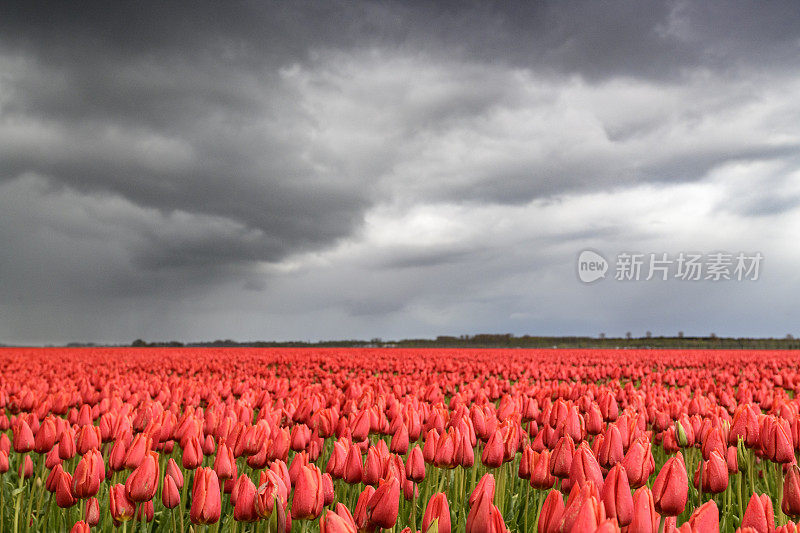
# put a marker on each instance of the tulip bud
(340, 521)
(791, 492)
(561, 459)
(492, 455)
(742, 456)
(193, 454)
(616, 496)
(584, 468)
(206, 497)
(383, 506)
(175, 473)
(714, 473)
(272, 493)
(439, 511)
(639, 463)
(245, 510)
(80, 527)
(328, 492)
(64, 496)
(224, 463)
(25, 470)
(645, 517)
(142, 483)
(89, 473)
(706, 518)
(759, 514)
(145, 512)
(23, 436)
(680, 435)
(92, 512)
(170, 494)
(46, 436)
(415, 465)
(353, 467)
(671, 486)
(551, 513)
(360, 515)
(480, 505)
(308, 493)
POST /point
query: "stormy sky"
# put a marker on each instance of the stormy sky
(388, 169)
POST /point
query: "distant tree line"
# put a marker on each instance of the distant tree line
(507, 340)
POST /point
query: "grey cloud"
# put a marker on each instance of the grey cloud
(154, 154)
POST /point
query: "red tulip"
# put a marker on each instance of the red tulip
(616, 496)
(480, 505)
(206, 497)
(744, 425)
(175, 473)
(88, 438)
(170, 493)
(583, 511)
(89, 473)
(671, 487)
(584, 468)
(561, 459)
(552, 513)
(25, 470)
(23, 437)
(437, 509)
(244, 509)
(759, 514)
(192, 454)
(353, 467)
(80, 527)
(791, 492)
(64, 496)
(46, 436)
(272, 492)
(145, 512)
(776, 440)
(383, 506)
(541, 478)
(645, 518)
(91, 513)
(611, 449)
(360, 515)
(120, 507)
(328, 491)
(706, 518)
(224, 463)
(308, 494)
(714, 473)
(415, 465)
(639, 463)
(142, 483)
(340, 521)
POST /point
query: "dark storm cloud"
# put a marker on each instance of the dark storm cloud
(151, 150)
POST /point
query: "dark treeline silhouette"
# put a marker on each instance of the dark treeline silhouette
(507, 340)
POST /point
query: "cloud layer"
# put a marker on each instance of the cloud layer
(394, 170)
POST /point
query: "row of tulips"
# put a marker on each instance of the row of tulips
(403, 440)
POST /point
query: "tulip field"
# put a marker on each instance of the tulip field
(402, 440)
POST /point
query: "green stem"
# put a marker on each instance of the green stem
(18, 503)
(527, 497)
